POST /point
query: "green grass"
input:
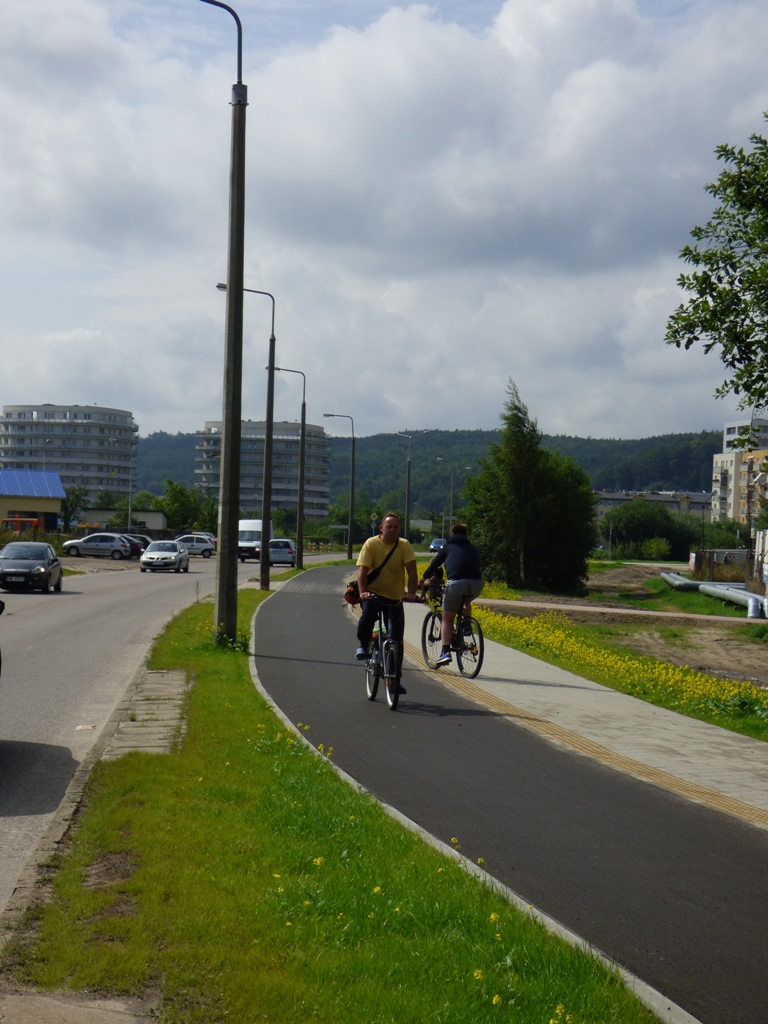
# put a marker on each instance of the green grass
(244, 879)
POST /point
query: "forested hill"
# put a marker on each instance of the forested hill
(666, 462)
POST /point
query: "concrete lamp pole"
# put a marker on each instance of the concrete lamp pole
(344, 416)
(407, 484)
(225, 598)
(266, 489)
(302, 439)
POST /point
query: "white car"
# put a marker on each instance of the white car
(282, 550)
(165, 555)
(198, 544)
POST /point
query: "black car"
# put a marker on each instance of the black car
(30, 565)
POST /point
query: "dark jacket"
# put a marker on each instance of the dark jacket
(460, 557)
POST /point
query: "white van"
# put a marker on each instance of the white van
(249, 538)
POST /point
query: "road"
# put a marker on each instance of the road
(67, 661)
(672, 890)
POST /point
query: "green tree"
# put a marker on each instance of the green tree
(144, 501)
(530, 511)
(187, 508)
(73, 504)
(728, 286)
(105, 499)
(636, 521)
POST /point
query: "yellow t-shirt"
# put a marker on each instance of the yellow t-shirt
(391, 580)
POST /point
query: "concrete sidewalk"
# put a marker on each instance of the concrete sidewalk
(701, 762)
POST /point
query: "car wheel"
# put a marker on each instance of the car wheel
(206, 553)
(117, 555)
(57, 585)
(75, 551)
(178, 567)
(186, 568)
(46, 587)
(143, 569)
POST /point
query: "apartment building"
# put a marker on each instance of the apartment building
(91, 446)
(286, 438)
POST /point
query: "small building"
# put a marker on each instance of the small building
(32, 495)
(690, 503)
(144, 521)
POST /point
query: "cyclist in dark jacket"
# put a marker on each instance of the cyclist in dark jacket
(465, 582)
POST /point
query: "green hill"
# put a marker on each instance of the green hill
(665, 462)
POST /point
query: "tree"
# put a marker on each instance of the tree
(728, 306)
(73, 504)
(105, 499)
(530, 511)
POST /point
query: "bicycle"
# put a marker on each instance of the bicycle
(382, 661)
(467, 642)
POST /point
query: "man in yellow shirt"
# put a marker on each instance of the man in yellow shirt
(387, 589)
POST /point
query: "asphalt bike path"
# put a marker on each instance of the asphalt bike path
(641, 831)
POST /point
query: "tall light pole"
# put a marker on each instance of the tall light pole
(407, 483)
(302, 438)
(344, 416)
(225, 598)
(266, 488)
(439, 458)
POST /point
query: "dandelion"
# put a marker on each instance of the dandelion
(377, 889)
(440, 870)
(481, 861)
(318, 861)
(307, 903)
(397, 910)
(478, 974)
(494, 917)
(496, 999)
(289, 924)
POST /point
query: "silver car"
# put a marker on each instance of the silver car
(110, 545)
(166, 556)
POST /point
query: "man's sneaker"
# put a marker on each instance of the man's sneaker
(444, 659)
(361, 653)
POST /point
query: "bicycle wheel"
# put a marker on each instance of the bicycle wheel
(431, 645)
(390, 675)
(372, 672)
(470, 648)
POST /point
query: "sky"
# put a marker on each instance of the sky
(441, 197)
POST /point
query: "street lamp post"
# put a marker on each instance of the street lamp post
(439, 458)
(266, 489)
(225, 601)
(407, 484)
(344, 416)
(300, 503)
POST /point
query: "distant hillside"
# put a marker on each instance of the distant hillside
(666, 462)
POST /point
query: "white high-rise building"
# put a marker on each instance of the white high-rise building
(91, 446)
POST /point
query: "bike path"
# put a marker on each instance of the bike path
(517, 765)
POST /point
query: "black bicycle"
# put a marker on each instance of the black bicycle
(467, 642)
(382, 661)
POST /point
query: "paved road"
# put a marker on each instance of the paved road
(67, 661)
(674, 891)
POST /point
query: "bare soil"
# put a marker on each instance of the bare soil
(706, 644)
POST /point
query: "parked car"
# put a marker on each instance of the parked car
(437, 543)
(282, 551)
(30, 565)
(165, 555)
(112, 545)
(134, 544)
(198, 544)
(143, 540)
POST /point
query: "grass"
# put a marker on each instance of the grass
(243, 879)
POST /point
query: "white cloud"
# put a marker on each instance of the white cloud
(439, 197)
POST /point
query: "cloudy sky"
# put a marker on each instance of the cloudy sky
(439, 196)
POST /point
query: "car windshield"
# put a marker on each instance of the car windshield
(23, 551)
(162, 545)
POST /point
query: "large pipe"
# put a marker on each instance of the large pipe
(750, 601)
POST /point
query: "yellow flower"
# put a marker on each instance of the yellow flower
(321, 747)
(481, 861)
(289, 924)
(478, 974)
(455, 841)
(275, 876)
(498, 936)
(318, 861)
(371, 914)
(281, 888)
(496, 999)
(377, 888)
(494, 917)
